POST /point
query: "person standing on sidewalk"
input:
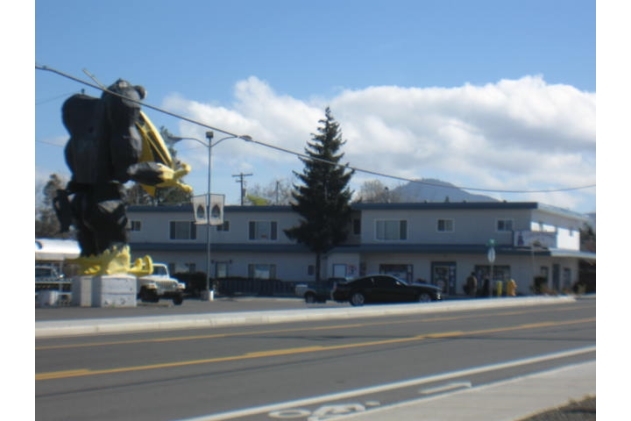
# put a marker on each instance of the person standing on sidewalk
(472, 285)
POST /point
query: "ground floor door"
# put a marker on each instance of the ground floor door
(556, 277)
(340, 270)
(444, 276)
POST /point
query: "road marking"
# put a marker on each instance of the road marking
(295, 351)
(444, 388)
(275, 331)
(388, 387)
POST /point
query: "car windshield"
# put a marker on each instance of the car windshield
(403, 281)
(159, 270)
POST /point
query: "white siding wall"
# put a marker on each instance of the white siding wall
(470, 226)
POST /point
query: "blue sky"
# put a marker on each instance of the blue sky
(497, 95)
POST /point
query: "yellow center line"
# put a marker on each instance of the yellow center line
(295, 351)
(273, 331)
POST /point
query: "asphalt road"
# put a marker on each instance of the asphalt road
(294, 370)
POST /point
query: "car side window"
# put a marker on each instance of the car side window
(365, 283)
(385, 282)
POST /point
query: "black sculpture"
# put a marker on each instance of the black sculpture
(111, 142)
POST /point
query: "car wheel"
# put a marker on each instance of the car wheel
(177, 300)
(148, 296)
(424, 298)
(357, 299)
(310, 298)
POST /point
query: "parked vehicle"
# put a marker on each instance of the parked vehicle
(47, 277)
(160, 284)
(384, 289)
(317, 292)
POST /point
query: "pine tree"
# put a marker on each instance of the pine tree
(46, 222)
(323, 198)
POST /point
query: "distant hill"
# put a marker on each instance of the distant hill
(432, 190)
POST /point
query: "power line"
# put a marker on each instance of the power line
(304, 156)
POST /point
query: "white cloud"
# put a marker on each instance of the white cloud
(520, 134)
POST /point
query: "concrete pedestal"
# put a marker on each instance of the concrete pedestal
(104, 291)
(208, 295)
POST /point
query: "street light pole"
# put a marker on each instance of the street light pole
(209, 293)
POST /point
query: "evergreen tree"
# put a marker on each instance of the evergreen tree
(323, 198)
(46, 222)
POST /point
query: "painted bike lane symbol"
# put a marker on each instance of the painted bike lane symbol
(322, 413)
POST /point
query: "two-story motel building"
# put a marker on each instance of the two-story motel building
(441, 243)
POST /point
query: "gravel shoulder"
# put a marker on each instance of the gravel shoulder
(581, 410)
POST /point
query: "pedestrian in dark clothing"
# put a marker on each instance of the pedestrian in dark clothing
(485, 287)
(472, 285)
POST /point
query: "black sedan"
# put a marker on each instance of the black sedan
(384, 289)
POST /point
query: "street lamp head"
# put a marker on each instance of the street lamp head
(209, 135)
(246, 137)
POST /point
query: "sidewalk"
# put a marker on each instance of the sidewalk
(207, 318)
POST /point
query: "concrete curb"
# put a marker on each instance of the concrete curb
(65, 328)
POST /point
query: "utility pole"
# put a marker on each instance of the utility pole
(241, 176)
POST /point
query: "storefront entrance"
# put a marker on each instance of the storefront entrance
(444, 276)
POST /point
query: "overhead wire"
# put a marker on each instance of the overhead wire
(100, 87)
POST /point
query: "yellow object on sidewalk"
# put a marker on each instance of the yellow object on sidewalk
(511, 288)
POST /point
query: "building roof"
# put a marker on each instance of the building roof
(187, 207)
(54, 249)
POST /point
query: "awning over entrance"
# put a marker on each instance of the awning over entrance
(586, 255)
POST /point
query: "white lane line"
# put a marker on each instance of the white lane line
(389, 386)
(445, 387)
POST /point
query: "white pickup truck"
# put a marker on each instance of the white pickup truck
(47, 277)
(158, 285)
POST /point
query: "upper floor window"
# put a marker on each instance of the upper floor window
(182, 230)
(134, 225)
(504, 225)
(445, 225)
(225, 226)
(262, 230)
(392, 230)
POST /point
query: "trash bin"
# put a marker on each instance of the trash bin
(511, 288)
(498, 288)
(48, 298)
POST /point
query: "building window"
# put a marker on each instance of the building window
(263, 230)
(224, 227)
(500, 273)
(134, 225)
(399, 270)
(182, 230)
(261, 271)
(445, 225)
(357, 226)
(221, 269)
(392, 230)
(504, 225)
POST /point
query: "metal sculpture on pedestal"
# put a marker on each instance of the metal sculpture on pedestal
(111, 142)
